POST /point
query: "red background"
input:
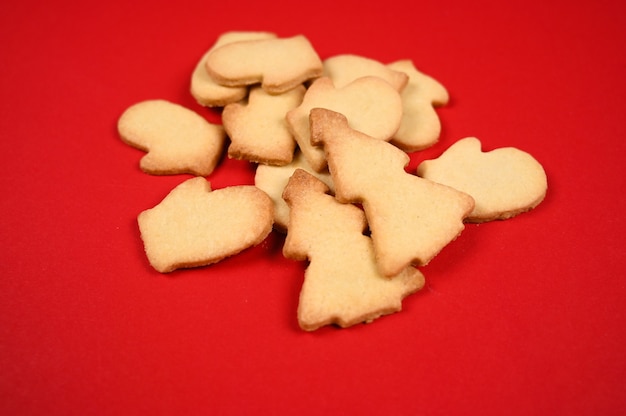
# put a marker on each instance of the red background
(519, 317)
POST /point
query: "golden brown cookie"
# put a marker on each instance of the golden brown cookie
(420, 127)
(345, 68)
(273, 179)
(342, 283)
(258, 128)
(204, 89)
(504, 182)
(278, 64)
(411, 219)
(371, 105)
(195, 226)
(177, 139)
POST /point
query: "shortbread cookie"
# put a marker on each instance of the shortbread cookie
(343, 69)
(504, 182)
(194, 226)
(420, 127)
(371, 105)
(342, 284)
(411, 219)
(177, 139)
(204, 89)
(278, 64)
(273, 179)
(258, 128)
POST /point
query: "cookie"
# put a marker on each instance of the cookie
(504, 182)
(204, 89)
(342, 283)
(273, 179)
(411, 219)
(177, 140)
(195, 226)
(278, 64)
(345, 68)
(371, 105)
(420, 127)
(258, 128)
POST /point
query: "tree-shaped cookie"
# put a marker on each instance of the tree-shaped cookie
(258, 129)
(504, 182)
(411, 219)
(194, 226)
(420, 127)
(371, 105)
(342, 283)
(177, 139)
(278, 64)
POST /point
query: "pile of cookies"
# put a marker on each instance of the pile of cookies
(330, 140)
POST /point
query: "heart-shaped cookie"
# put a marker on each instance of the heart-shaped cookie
(194, 226)
(503, 182)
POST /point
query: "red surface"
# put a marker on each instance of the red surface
(521, 317)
